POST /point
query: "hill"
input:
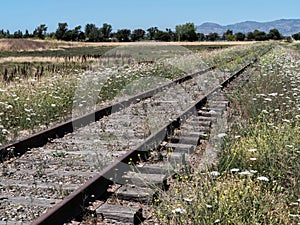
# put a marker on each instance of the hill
(285, 26)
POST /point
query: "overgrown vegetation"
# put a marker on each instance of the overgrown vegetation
(35, 95)
(63, 52)
(257, 177)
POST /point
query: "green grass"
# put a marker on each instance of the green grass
(12, 71)
(197, 48)
(258, 170)
(64, 52)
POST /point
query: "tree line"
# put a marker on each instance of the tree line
(184, 32)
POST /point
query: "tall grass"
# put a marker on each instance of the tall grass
(256, 180)
(34, 98)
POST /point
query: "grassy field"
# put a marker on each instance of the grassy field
(256, 179)
(297, 46)
(37, 88)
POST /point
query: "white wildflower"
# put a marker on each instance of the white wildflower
(246, 173)
(188, 199)
(234, 170)
(295, 215)
(4, 131)
(252, 150)
(273, 94)
(9, 107)
(214, 173)
(179, 210)
(221, 135)
(262, 178)
(268, 99)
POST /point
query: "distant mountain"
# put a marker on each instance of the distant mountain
(285, 26)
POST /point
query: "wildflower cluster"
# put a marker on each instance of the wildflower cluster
(256, 179)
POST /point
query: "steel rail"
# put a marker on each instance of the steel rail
(21, 146)
(39, 139)
(73, 205)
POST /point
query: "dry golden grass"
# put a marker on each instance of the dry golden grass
(40, 45)
(24, 45)
(33, 59)
(37, 45)
(206, 43)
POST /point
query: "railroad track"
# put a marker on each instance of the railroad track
(55, 170)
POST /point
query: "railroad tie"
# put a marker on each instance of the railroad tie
(218, 109)
(157, 168)
(137, 194)
(197, 126)
(218, 104)
(202, 135)
(210, 113)
(176, 159)
(146, 180)
(185, 139)
(127, 215)
(180, 147)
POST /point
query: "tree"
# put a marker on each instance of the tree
(229, 36)
(138, 35)
(200, 37)
(5, 34)
(106, 30)
(172, 34)
(274, 34)
(92, 33)
(61, 31)
(186, 32)
(2, 33)
(18, 34)
(123, 35)
(213, 37)
(81, 36)
(40, 31)
(26, 35)
(240, 36)
(162, 36)
(250, 36)
(151, 32)
(296, 36)
(77, 34)
(260, 35)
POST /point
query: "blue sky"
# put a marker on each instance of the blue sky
(28, 14)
